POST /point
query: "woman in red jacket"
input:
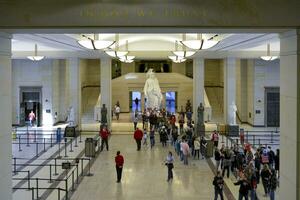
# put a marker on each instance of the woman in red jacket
(119, 159)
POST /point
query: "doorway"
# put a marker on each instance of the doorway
(30, 101)
(171, 101)
(135, 101)
(272, 104)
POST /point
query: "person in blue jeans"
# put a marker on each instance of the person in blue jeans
(273, 184)
(218, 183)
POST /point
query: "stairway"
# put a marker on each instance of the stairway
(215, 96)
(89, 99)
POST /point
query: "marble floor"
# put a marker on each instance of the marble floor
(144, 175)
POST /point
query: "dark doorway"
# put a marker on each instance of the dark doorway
(272, 107)
(30, 101)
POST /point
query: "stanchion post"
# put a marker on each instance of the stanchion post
(37, 149)
(271, 136)
(77, 181)
(66, 147)
(20, 143)
(27, 139)
(28, 179)
(55, 167)
(81, 167)
(37, 188)
(59, 156)
(15, 166)
(76, 145)
(71, 145)
(51, 145)
(44, 144)
(66, 184)
(80, 137)
(32, 193)
(73, 180)
(34, 135)
(50, 174)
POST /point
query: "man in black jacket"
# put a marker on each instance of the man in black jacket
(219, 184)
(244, 188)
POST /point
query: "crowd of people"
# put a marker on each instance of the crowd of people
(250, 169)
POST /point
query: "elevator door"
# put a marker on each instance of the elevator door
(273, 107)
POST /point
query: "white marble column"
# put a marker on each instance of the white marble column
(290, 115)
(229, 86)
(6, 119)
(198, 85)
(73, 65)
(105, 86)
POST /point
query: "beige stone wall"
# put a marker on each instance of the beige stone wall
(241, 89)
(250, 91)
(90, 72)
(127, 68)
(179, 68)
(213, 72)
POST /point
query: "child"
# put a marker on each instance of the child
(145, 137)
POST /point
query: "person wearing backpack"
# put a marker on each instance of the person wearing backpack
(218, 183)
(265, 177)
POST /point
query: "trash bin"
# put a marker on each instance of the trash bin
(209, 148)
(90, 147)
(58, 135)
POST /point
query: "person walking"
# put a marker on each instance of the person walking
(104, 133)
(217, 158)
(265, 177)
(273, 184)
(215, 138)
(138, 136)
(197, 148)
(218, 182)
(117, 111)
(170, 164)
(226, 162)
(152, 138)
(277, 162)
(244, 187)
(119, 160)
(203, 145)
(185, 152)
(145, 136)
(135, 121)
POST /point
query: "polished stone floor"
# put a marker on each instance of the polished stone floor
(144, 175)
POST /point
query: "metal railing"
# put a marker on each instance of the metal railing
(71, 179)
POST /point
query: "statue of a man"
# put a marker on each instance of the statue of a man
(152, 91)
(103, 114)
(71, 116)
(232, 113)
(200, 111)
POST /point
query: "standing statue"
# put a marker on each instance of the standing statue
(71, 116)
(232, 113)
(103, 114)
(152, 91)
(188, 106)
(200, 112)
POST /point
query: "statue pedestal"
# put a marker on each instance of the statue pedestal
(200, 130)
(232, 130)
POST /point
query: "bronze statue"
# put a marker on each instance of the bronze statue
(103, 114)
(200, 112)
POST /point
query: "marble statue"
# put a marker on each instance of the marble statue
(103, 114)
(71, 116)
(152, 91)
(232, 113)
(200, 112)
